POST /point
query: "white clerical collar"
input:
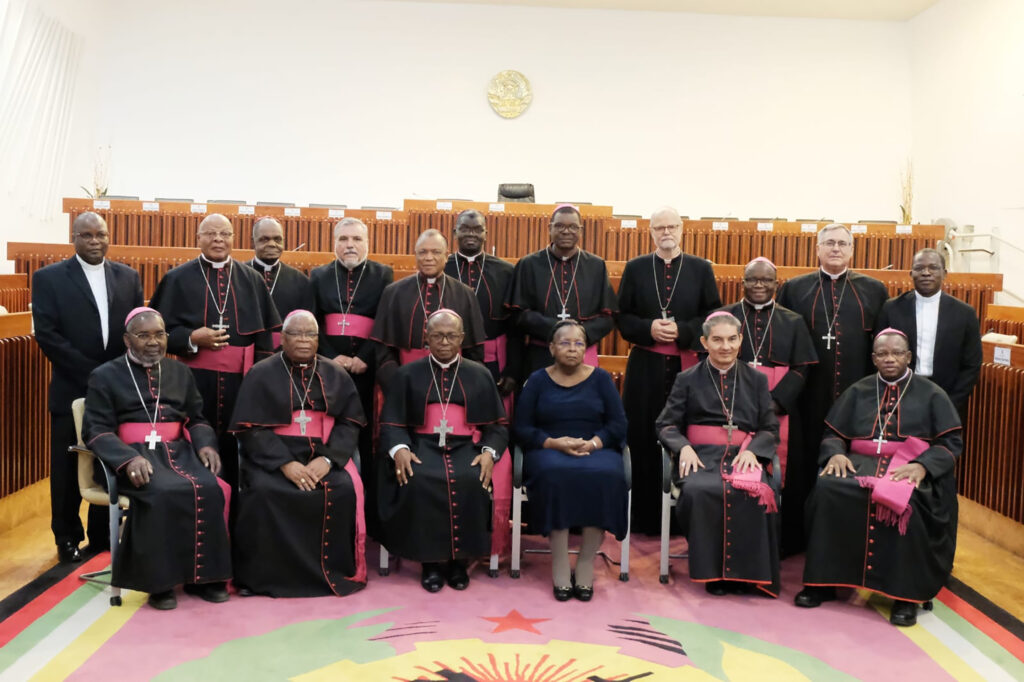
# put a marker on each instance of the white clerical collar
(445, 365)
(898, 381)
(722, 371)
(131, 356)
(928, 300)
(759, 306)
(572, 255)
(834, 277)
(216, 265)
(671, 258)
(264, 265)
(89, 267)
(473, 257)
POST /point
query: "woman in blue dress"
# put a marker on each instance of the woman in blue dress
(570, 422)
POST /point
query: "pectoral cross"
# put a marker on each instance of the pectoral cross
(302, 420)
(344, 323)
(829, 339)
(755, 363)
(881, 439)
(220, 326)
(442, 429)
(153, 438)
(729, 428)
(563, 315)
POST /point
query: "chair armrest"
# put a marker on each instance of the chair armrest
(356, 459)
(776, 471)
(666, 470)
(517, 467)
(627, 466)
(111, 479)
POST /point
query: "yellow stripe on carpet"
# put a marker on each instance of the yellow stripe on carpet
(933, 646)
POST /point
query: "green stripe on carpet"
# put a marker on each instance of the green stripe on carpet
(979, 640)
(45, 624)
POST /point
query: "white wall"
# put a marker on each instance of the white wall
(968, 122)
(371, 102)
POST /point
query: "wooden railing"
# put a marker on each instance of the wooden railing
(514, 230)
(1004, 319)
(24, 420)
(14, 293)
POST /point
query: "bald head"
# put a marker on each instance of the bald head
(431, 234)
(216, 237)
(431, 253)
(444, 317)
(267, 240)
(90, 237)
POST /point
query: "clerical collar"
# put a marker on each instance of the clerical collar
(906, 374)
(292, 363)
(428, 280)
(722, 371)
(471, 258)
(131, 356)
(89, 266)
(834, 277)
(667, 261)
(445, 365)
(759, 306)
(934, 298)
(575, 253)
(216, 265)
(265, 266)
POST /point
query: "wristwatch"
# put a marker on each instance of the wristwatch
(491, 451)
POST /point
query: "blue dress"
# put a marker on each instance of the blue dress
(568, 491)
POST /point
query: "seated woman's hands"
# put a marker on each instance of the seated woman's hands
(577, 447)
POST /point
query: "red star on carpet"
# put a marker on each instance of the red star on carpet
(514, 620)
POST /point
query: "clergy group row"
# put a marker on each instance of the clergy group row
(429, 385)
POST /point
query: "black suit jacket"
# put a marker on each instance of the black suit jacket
(957, 358)
(67, 323)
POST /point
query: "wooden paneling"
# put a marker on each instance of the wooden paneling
(24, 420)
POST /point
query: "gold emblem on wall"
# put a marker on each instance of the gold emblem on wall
(509, 94)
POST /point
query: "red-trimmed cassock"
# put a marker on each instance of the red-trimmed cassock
(542, 282)
(443, 512)
(289, 288)
(842, 359)
(686, 288)
(729, 519)
(862, 531)
(785, 354)
(186, 300)
(400, 328)
(175, 532)
(290, 542)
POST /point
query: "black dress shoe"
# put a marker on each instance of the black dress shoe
(432, 580)
(163, 601)
(583, 592)
(458, 577)
(904, 613)
(215, 593)
(716, 588)
(811, 597)
(562, 593)
(68, 553)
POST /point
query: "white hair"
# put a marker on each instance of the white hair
(344, 222)
(297, 315)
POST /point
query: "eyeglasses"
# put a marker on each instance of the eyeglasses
(561, 227)
(146, 337)
(886, 354)
(223, 234)
(665, 228)
(926, 268)
(450, 337)
(763, 281)
(832, 243)
(311, 334)
(566, 345)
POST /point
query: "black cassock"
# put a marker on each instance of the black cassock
(687, 287)
(731, 535)
(346, 305)
(401, 323)
(175, 532)
(841, 361)
(491, 279)
(542, 282)
(848, 545)
(290, 542)
(289, 288)
(785, 354)
(250, 316)
(443, 512)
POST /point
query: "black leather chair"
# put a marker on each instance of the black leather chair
(516, 192)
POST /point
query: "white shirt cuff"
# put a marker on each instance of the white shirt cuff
(395, 449)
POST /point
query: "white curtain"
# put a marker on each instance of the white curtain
(39, 62)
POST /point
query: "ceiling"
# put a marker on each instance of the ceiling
(876, 10)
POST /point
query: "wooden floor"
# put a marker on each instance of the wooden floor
(28, 551)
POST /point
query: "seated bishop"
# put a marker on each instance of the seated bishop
(443, 427)
(144, 419)
(300, 530)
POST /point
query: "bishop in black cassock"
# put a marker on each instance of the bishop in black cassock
(777, 344)
(300, 530)
(289, 287)
(667, 293)
(840, 308)
(719, 420)
(883, 515)
(219, 318)
(143, 419)
(561, 281)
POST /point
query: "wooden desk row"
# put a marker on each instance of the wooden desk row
(24, 420)
(14, 293)
(512, 232)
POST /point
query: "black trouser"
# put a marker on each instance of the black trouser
(65, 498)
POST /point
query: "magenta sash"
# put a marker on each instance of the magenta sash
(687, 358)
(136, 432)
(749, 481)
(496, 350)
(411, 355)
(356, 325)
(360, 539)
(275, 338)
(891, 497)
(231, 359)
(775, 375)
(589, 356)
(456, 416)
(501, 493)
(319, 426)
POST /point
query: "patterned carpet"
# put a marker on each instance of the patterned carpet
(502, 630)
